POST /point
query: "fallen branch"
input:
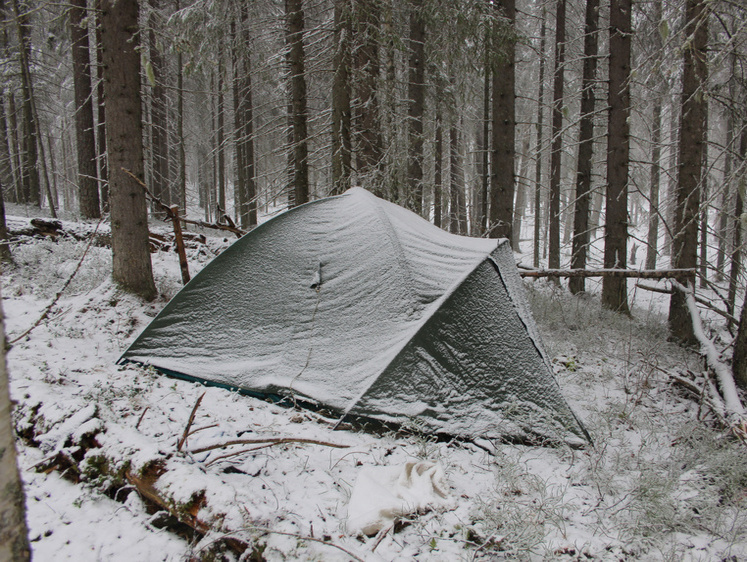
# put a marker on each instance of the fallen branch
(305, 538)
(181, 441)
(51, 305)
(642, 273)
(270, 441)
(702, 302)
(732, 403)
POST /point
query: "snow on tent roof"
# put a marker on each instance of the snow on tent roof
(361, 306)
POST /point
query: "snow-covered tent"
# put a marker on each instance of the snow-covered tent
(363, 307)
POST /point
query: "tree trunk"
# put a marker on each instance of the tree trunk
(483, 134)
(691, 157)
(131, 263)
(341, 144)
(29, 153)
(416, 107)
(557, 137)
(295, 57)
(159, 118)
(502, 175)
(244, 111)
(585, 147)
(88, 188)
(437, 172)
(739, 360)
(522, 185)
(7, 173)
(457, 211)
(615, 289)
(14, 543)
(653, 196)
(16, 147)
(538, 152)
(101, 116)
(181, 149)
(366, 121)
(220, 149)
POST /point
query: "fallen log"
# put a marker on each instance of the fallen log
(635, 273)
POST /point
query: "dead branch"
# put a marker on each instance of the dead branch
(642, 274)
(699, 300)
(229, 227)
(729, 393)
(181, 441)
(305, 538)
(269, 441)
(51, 305)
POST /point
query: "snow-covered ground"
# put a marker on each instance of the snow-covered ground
(658, 484)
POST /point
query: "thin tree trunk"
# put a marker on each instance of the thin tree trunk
(295, 56)
(437, 171)
(101, 116)
(159, 129)
(615, 289)
(691, 157)
(220, 149)
(181, 149)
(88, 189)
(366, 120)
(585, 147)
(131, 263)
(653, 197)
(341, 144)
(522, 185)
(16, 148)
(483, 134)
(29, 153)
(557, 137)
(416, 107)
(457, 211)
(723, 214)
(739, 360)
(7, 174)
(502, 173)
(538, 150)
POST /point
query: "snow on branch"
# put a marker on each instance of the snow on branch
(732, 403)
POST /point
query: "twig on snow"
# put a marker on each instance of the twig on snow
(181, 441)
(305, 538)
(269, 441)
(137, 425)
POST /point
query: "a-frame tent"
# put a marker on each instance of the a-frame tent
(363, 307)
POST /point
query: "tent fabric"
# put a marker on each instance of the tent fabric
(363, 307)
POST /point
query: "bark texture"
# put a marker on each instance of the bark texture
(557, 136)
(416, 108)
(295, 56)
(502, 175)
(615, 289)
(14, 544)
(585, 147)
(131, 265)
(85, 138)
(691, 157)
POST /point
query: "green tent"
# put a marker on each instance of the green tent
(358, 305)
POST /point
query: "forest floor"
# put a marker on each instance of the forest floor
(659, 483)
